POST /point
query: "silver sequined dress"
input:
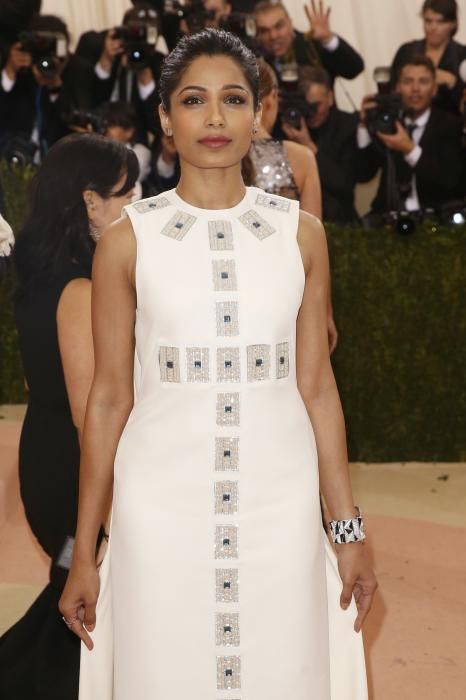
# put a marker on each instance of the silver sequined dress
(219, 582)
(272, 168)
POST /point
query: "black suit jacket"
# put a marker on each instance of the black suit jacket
(336, 159)
(438, 170)
(447, 98)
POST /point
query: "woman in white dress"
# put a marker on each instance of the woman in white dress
(219, 582)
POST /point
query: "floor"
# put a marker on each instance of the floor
(415, 637)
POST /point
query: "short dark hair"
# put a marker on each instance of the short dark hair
(208, 42)
(118, 114)
(266, 5)
(56, 230)
(447, 8)
(417, 59)
(49, 23)
(309, 75)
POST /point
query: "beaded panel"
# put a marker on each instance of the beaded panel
(265, 200)
(256, 224)
(228, 365)
(227, 629)
(227, 318)
(224, 275)
(228, 409)
(178, 226)
(226, 542)
(226, 454)
(169, 360)
(151, 204)
(258, 362)
(228, 672)
(283, 360)
(227, 585)
(226, 497)
(220, 235)
(197, 361)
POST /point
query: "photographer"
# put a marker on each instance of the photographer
(331, 135)
(440, 18)
(283, 45)
(129, 64)
(419, 150)
(41, 81)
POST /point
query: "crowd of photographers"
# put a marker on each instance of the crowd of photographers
(412, 130)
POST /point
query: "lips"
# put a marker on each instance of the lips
(215, 141)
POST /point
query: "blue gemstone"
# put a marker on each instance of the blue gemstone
(228, 672)
(179, 225)
(170, 364)
(227, 628)
(224, 275)
(226, 584)
(227, 319)
(282, 360)
(256, 224)
(228, 364)
(226, 541)
(220, 235)
(226, 453)
(228, 409)
(226, 497)
(258, 363)
(197, 363)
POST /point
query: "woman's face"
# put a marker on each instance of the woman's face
(437, 29)
(104, 211)
(211, 114)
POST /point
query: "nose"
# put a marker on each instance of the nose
(216, 117)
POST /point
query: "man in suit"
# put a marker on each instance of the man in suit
(421, 161)
(283, 45)
(331, 135)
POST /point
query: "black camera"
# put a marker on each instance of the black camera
(139, 40)
(196, 16)
(18, 151)
(47, 49)
(243, 25)
(294, 107)
(384, 116)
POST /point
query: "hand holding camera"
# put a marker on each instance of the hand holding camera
(299, 134)
(400, 141)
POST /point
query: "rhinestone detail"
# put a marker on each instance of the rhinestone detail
(228, 365)
(226, 454)
(226, 542)
(265, 200)
(256, 224)
(151, 204)
(228, 409)
(258, 362)
(224, 275)
(226, 497)
(227, 630)
(228, 672)
(178, 226)
(283, 360)
(197, 361)
(227, 585)
(220, 235)
(169, 361)
(227, 318)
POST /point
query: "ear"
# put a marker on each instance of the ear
(165, 121)
(88, 198)
(258, 116)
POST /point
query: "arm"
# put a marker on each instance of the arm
(317, 386)
(76, 348)
(109, 404)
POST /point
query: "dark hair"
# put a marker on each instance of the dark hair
(447, 8)
(56, 231)
(267, 78)
(417, 59)
(266, 5)
(309, 75)
(118, 114)
(208, 42)
(49, 23)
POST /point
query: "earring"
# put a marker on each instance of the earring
(168, 132)
(89, 204)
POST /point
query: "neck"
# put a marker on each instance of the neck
(262, 133)
(213, 188)
(419, 113)
(437, 48)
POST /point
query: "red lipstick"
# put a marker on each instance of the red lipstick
(215, 141)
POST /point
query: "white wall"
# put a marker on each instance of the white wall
(375, 27)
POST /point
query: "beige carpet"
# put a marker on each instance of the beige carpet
(415, 637)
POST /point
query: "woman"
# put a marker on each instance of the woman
(282, 167)
(80, 189)
(440, 19)
(218, 569)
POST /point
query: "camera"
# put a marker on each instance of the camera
(18, 151)
(384, 116)
(196, 16)
(139, 40)
(46, 49)
(82, 119)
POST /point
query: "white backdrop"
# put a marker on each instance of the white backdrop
(375, 27)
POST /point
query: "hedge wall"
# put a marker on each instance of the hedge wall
(399, 307)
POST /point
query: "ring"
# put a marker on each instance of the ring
(69, 623)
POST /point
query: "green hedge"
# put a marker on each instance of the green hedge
(399, 308)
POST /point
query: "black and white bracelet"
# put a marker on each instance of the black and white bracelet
(345, 531)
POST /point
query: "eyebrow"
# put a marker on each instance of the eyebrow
(199, 88)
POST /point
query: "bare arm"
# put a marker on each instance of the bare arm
(304, 167)
(76, 347)
(318, 389)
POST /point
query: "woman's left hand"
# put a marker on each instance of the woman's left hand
(358, 579)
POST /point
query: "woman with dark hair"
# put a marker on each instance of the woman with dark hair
(219, 579)
(80, 189)
(440, 19)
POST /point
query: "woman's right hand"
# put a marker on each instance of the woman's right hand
(79, 599)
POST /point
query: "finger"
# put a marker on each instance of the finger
(79, 631)
(328, 13)
(308, 14)
(89, 616)
(364, 605)
(313, 7)
(346, 594)
(321, 7)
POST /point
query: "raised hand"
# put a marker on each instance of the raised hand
(319, 21)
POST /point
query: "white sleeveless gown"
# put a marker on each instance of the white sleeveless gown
(219, 582)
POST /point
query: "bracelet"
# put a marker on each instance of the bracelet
(345, 531)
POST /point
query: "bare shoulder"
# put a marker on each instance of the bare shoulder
(312, 239)
(300, 157)
(116, 249)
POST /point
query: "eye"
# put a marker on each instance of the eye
(235, 100)
(192, 100)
